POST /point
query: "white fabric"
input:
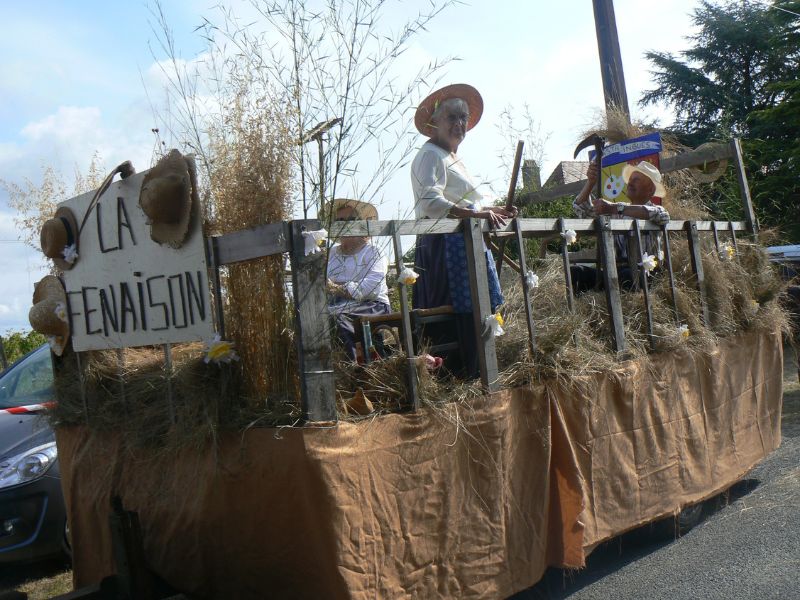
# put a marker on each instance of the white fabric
(440, 181)
(363, 274)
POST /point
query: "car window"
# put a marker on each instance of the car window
(30, 381)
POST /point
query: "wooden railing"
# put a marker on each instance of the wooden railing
(313, 337)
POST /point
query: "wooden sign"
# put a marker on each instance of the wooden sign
(125, 289)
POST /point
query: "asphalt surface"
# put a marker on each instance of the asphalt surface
(747, 545)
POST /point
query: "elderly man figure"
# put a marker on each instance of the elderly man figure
(644, 182)
(356, 275)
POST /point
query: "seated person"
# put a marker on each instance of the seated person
(356, 276)
(644, 182)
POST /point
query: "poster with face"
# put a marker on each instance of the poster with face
(616, 156)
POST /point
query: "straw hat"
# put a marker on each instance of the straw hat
(465, 92)
(166, 199)
(364, 210)
(709, 171)
(650, 171)
(48, 315)
(56, 237)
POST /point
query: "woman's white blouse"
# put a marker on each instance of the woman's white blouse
(440, 181)
(363, 274)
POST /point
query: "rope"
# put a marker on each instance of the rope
(125, 170)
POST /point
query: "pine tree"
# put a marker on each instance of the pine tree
(740, 78)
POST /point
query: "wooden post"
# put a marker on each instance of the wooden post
(611, 283)
(312, 330)
(610, 57)
(526, 292)
(212, 260)
(697, 266)
(412, 398)
(715, 231)
(643, 282)
(566, 265)
(82, 386)
(733, 238)
(670, 272)
(512, 187)
(481, 304)
(744, 188)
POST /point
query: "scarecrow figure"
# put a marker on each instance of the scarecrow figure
(356, 276)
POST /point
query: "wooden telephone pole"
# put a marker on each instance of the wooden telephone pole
(610, 58)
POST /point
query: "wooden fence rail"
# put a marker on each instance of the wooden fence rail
(313, 332)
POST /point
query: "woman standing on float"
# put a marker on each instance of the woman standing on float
(443, 189)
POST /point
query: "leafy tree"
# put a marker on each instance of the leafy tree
(17, 344)
(739, 78)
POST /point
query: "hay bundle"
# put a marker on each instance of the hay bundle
(250, 184)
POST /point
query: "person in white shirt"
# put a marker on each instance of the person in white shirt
(644, 182)
(443, 188)
(356, 276)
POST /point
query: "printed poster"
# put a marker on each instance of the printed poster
(616, 156)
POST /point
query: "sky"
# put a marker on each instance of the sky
(80, 78)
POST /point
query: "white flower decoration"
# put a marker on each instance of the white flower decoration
(314, 240)
(649, 262)
(408, 276)
(727, 251)
(683, 331)
(220, 351)
(61, 312)
(531, 280)
(570, 236)
(53, 343)
(70, 253)
(494, 324)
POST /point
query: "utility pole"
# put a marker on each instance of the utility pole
(610, 59)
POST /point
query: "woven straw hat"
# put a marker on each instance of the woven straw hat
(710, 171)
(363, 210)
(48, 315)
(650, 171)
(166, 199)
(465, 92)
(58, 234)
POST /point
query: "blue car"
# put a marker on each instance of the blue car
(33, 520)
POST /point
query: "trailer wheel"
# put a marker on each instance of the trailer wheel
(674, 527)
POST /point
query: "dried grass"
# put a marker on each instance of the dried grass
(250, 177)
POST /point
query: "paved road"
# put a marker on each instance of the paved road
(745, 548)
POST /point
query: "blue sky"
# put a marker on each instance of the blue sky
(79, 78)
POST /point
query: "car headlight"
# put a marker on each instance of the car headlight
(28, 465)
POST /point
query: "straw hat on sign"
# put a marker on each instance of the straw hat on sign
(59, 238)
(427, 107)
(650, 171)
(364, 210)
(48, 315)
(166, 198)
